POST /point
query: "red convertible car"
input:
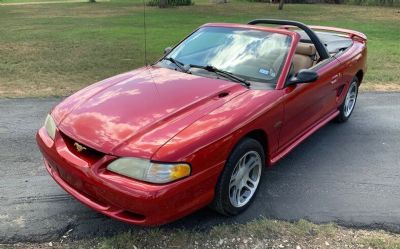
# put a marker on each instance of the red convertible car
(199, 126)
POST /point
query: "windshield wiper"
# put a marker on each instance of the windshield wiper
(222, 73)
(179, 64)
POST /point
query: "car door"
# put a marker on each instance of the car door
(307, 104)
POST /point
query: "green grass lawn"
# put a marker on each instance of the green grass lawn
(56, 49)
(23, 2)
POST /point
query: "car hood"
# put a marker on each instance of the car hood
(135, 113)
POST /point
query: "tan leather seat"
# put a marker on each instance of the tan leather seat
(304, 56)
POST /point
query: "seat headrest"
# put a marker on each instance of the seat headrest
(305, 49)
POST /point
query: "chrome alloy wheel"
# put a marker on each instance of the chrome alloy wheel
(245, 179)
(350, 100)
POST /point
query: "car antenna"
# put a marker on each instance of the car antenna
(145, 33)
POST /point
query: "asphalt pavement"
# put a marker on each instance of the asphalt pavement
(346, 173)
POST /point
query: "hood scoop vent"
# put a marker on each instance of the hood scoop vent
(223, 95)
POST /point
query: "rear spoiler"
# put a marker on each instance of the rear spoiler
(351, 33)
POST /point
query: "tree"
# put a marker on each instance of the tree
(163, 4)
(281, 2)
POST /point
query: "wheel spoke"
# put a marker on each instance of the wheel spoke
(251, 164)
(235, 172)
(250, 182)
(254, 182)
(242, 162)
(251, 161)
(232, 195)
(237, 195)
(249, 185)
(239, 164)
(233, 182)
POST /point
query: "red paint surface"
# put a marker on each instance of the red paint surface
(169, 116)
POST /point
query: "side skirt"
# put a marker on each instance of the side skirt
(305, 135)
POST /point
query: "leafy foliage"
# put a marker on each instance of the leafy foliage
(394, 3)
(171, 2)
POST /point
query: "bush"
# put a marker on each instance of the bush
(395, 3)
(171, 2)
(263, 1)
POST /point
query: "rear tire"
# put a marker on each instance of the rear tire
(349, 102)
(239, 181)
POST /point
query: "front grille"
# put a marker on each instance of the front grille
(81, 186)
(89, 155)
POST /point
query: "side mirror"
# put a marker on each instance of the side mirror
(303, 76)
(167, 50)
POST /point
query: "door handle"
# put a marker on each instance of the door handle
(335, 79)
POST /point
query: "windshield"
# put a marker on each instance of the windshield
(251, 54)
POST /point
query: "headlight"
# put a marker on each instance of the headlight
(50, 126)
(148, 171)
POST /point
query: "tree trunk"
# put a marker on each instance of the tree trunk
(163, 3)
(281, 2)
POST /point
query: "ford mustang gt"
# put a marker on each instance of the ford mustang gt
(199, 126)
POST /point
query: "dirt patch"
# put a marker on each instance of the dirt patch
(263, 233)
(380, 87)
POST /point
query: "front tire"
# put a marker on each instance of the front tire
(239, 181)
(347, 107)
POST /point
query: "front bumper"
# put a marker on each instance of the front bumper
(120, 197)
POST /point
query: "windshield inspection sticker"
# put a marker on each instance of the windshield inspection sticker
(263, 71)
(272, 73)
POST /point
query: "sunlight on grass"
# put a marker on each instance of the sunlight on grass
(56, 49)
(260, 233)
